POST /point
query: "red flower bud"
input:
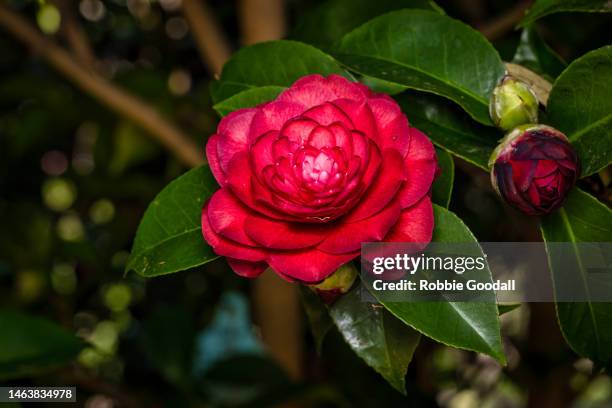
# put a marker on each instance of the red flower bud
(533, 168)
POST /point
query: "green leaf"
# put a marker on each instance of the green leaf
(248, 99)
(427, 51)
(543, 8)
(382, 341)
(450, 128)
(585, 326)
(318, 316)
(275, 63)
(581, 107)
(327, 23)
(533, 53)
(442, 188)
(30, 344)
(382, 86)
(467, 325)
(169, 237)
(503, 309)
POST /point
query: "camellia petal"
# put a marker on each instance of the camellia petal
(247, 269)
(383, 189)
(227, 216)
(286, 235)
(348, 237)
(227, 247)
(392, 124)
(415, 224)
(309, 266)
(233, 135)
(421, 169)
(328, 113)
(308, 177)
(272, 116)
(213, 159)
(309, 91)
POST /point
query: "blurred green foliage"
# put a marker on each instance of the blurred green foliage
(75, 180)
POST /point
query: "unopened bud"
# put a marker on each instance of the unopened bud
(336, 284)
(513, 103)
(534, 168)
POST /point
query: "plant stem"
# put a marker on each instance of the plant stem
(210, 39)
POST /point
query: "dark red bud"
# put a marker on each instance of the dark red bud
(534, 168)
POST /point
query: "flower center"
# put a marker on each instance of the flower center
(314, 169)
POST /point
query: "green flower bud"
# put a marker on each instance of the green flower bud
(512, 104)
(336, 284)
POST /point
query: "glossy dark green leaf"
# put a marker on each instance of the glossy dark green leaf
(169, 237)
(248, 99)
(382, 86)
(318, 316)
(381, 340)
(442, 188)
(427, 51)
(543, 8)
(450, 128)
(275, 63)
(533, 53)
(585, 326)
(30, 344)
(467, 325)
(328, 22)
(581, 107)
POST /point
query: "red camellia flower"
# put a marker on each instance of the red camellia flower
(534, 168)
(308, 177)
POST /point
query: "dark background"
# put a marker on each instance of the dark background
(76, 176)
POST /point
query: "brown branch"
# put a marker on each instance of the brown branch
(277, 307)
(499, 26)
(261, 20)
(93, 84)
(212, 44)
(74, 34)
